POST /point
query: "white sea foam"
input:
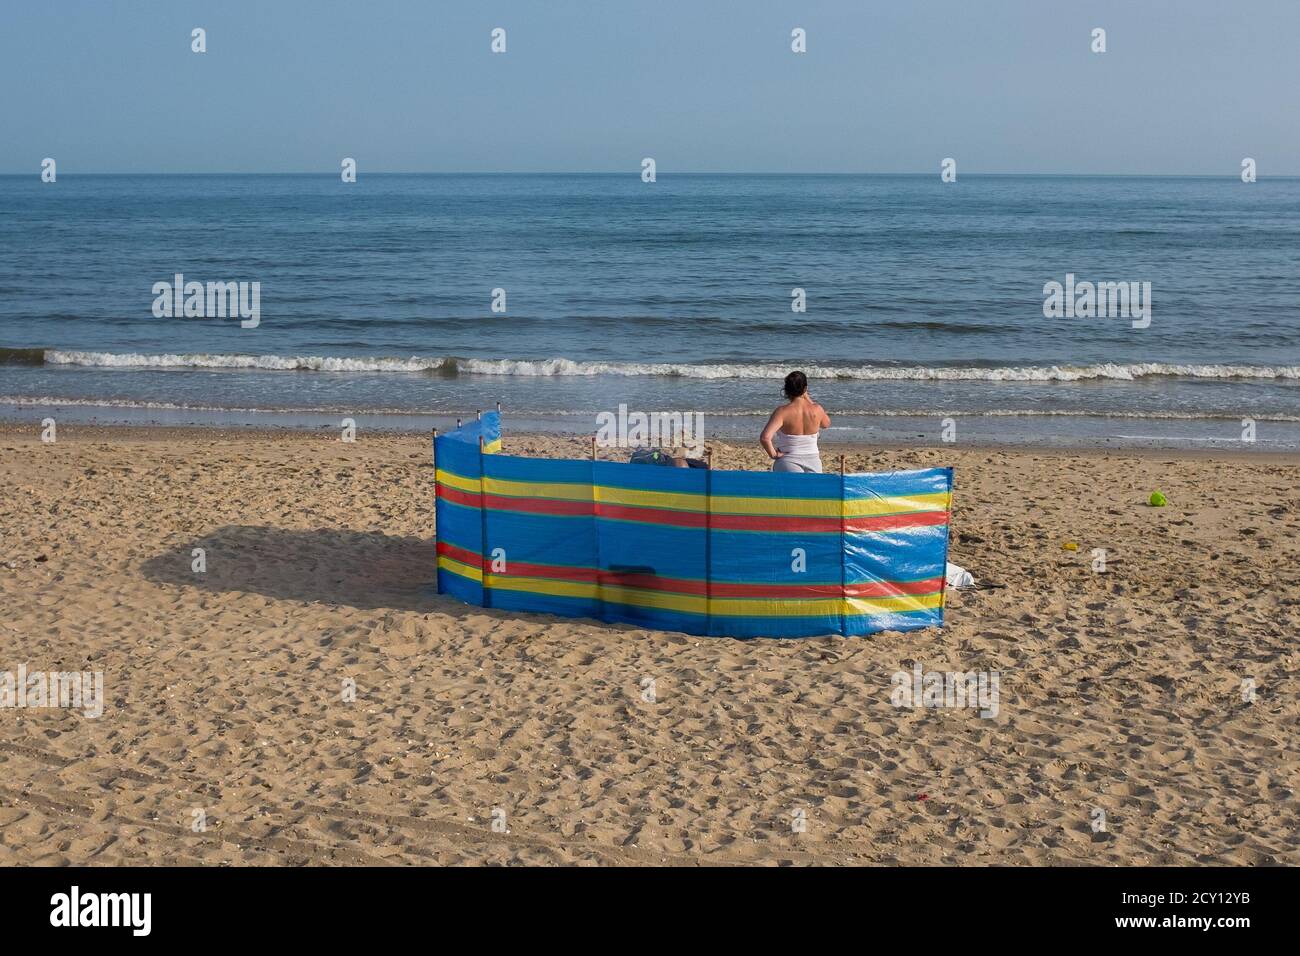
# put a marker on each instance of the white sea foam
(24, 401)
(568, 367)
(271, 363)
(43, 401)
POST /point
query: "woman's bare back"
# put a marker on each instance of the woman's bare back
(802, 416)
(794, 426)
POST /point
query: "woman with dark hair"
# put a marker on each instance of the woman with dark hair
(790, 436)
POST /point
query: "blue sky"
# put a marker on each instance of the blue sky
(1003, 86)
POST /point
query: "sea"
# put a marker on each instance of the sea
(921, 310)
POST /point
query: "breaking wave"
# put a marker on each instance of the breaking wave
(453, 365)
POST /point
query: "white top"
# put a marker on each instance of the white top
(798, 445)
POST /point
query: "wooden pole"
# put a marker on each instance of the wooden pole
(437, 579)
(596, 531)
(844, 593)
(708, 541)
(485, 562)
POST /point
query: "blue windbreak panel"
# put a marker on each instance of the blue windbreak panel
(914, 552)
(463, 589)
(775, 554)
(487, 427)
(457, 456)
(546, 604)
(656, 537)
(894, 483)
(658, 478)
(775, 484)
(540, 530)
(743, 554)
(858, 625)
(538, 470)
(899, 555)
(457, 524)
(661, 619)
(910, 555)
(540, 539)
(787, 627)
(660, 550)
(777, 559)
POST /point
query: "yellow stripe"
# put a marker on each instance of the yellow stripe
(593, 592)
(895, 602)
(722, 504)
(778, 507)
(898, 504)
(638, 498)
(456, 567)
(538, 489)
(695, 604)
(785, 607)
(517, 489)
(457, 481)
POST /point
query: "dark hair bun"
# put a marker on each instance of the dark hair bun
(796, 383)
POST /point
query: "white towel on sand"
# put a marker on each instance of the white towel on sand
(958, 577)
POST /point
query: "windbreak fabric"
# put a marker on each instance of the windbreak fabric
(720, 553)
(487, 426)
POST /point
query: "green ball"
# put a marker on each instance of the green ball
(1158, 499)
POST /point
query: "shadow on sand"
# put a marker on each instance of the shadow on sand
(358, 569)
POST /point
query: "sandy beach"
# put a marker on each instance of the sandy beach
(478, 736)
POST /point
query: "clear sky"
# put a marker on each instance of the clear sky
(1003, 86)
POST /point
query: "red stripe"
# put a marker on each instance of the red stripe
(915, 519)
(463, 555)
(870, 589)
(456, 496)
(696, 519)
(722, 589)
(540, 506)
(682, 519)
(807, 525)
(726, 589)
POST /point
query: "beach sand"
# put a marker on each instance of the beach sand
(479, 736)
